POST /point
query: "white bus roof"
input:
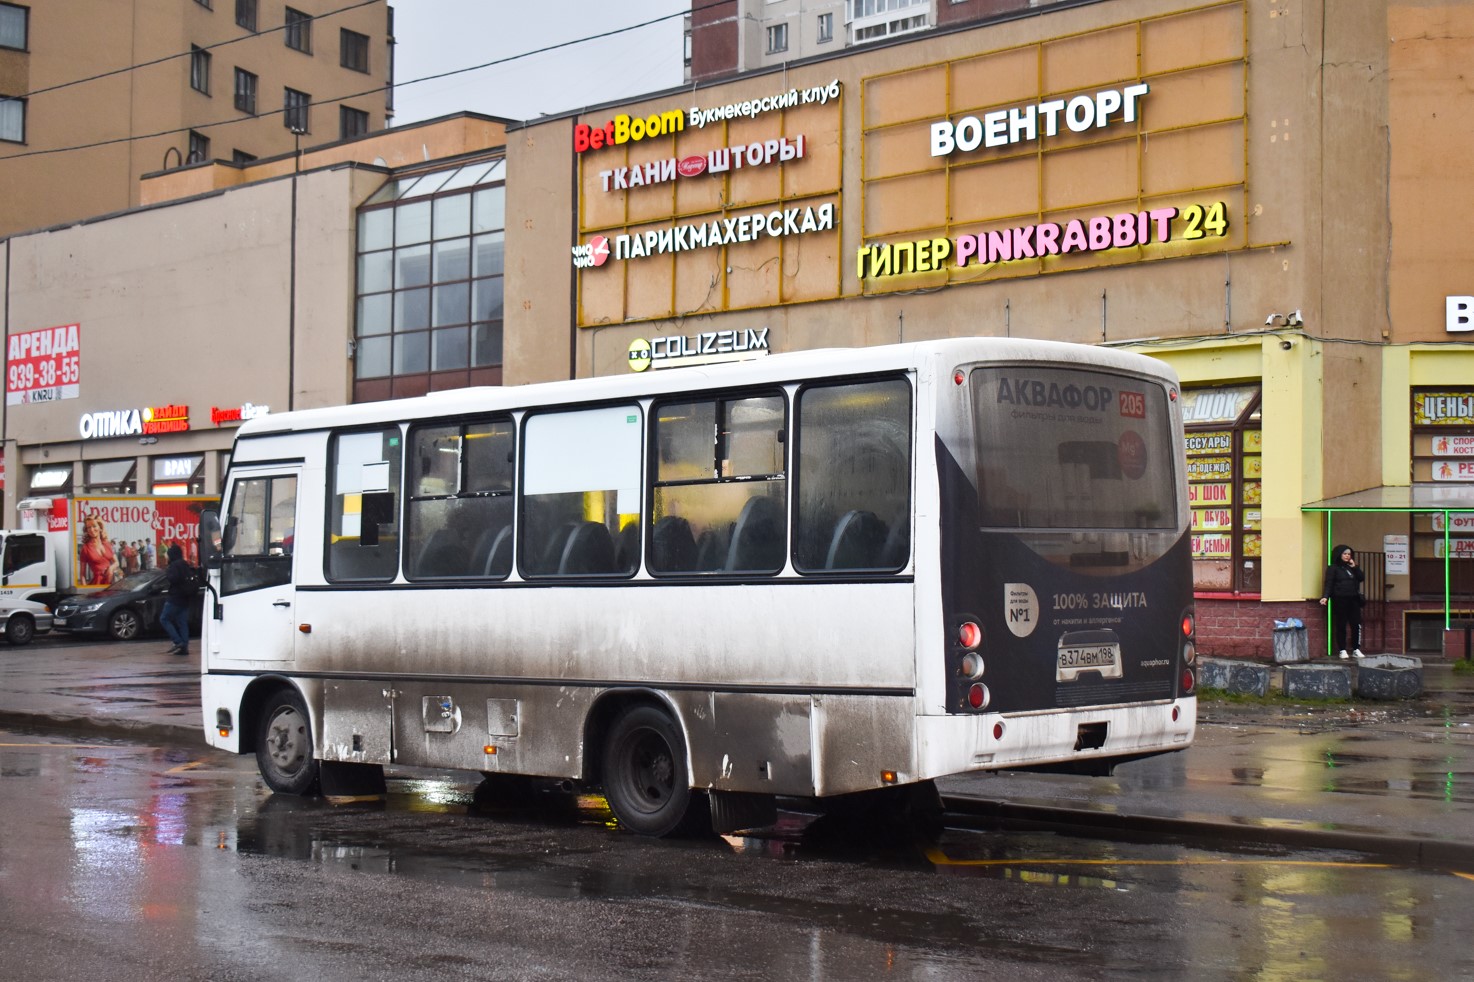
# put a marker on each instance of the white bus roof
(815, 363)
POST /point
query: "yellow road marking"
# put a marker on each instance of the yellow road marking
(941, 859)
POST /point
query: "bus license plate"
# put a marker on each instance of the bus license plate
(1102, 658)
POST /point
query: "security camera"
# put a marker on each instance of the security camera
(1294, 319)
(1287, 344)
(1274, 319)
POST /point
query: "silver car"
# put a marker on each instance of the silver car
(24, 619)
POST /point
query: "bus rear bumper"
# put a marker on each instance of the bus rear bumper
(991, 741)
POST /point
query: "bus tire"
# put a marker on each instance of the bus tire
(644, 774)
(284, 751)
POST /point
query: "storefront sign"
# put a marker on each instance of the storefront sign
(1212, 546)
(718, 161)
(1209, 494)
(1102, 233)
(1453, 446)
(1443, 409)
(704, 235)
(1458, 314)
(134, 422)
(1458, 521)
(1218, 405)
(624, 128)
(1021, 123)
(1212, 518)
(1458, 548)
(1453, 470)
(697, 349)
(1210, 469)
(1220, 441)
(1394, 551)
(43, 365)
(237, 414)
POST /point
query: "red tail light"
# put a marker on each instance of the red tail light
(1187, 681)
(1188, 625)
(969, 635)
(978, 696)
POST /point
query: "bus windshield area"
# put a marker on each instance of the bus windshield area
(1071, 449)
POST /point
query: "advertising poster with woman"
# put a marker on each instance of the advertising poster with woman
(116, 536)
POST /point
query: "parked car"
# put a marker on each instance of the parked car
(126, 610)
(24, 619)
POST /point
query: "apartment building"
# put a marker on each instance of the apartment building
(96, 93)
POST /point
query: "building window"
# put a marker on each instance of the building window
(430, 265)
(245, 91)
(352, 122)
(245, 14)
(354, 49)
(299, 31)
(199, 69)
(113, 476)
(296, 105)
(199, 148)
(1225, 486)
(12, 120)
(826, 27)
(777, 38)
(51, 481)
(14, 26)
(241, 157)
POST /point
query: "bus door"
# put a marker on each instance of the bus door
(256, 616)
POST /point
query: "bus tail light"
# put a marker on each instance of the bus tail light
(972, 665)
(969, 635)
(1189, 624)
(223, 723)
(978, 696)
(998, 730)
(1189, 652)
(1188, 682)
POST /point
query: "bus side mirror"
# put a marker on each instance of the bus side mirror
(212, 540)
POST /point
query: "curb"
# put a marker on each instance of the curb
(104, 727)
(1429, 853)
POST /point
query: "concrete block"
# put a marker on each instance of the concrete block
(1238, 677)
(1389, 677)
(1318, 681)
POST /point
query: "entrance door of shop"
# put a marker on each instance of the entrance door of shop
(257, 544)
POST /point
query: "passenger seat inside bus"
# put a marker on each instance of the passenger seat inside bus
(858, 540)
(758, 537)
(673, 547)
(589, 549)
(442, 555)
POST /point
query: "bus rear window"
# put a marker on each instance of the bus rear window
(1071, 449)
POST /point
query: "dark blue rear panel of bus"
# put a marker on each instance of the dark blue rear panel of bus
(1061, 537)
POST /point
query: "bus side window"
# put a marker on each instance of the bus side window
(721, 494)
(854, 477)
(363, 529)
(581, 492)
(460, 507)
(263, 513)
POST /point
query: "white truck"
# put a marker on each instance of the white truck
(80, 544)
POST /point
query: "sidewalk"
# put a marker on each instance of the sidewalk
(1394, 779)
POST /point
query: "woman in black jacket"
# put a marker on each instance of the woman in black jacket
(1342, 588)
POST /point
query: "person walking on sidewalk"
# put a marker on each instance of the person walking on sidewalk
(1341, 591)
(182, 588)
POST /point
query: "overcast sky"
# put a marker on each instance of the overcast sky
(436, 36)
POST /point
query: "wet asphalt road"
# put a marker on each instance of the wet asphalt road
(126, 861)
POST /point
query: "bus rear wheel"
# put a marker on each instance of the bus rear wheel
(645, 777)
(284, 745)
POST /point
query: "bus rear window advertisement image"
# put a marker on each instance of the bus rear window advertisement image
(1063, 449)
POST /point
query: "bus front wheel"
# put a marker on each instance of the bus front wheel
(645, 778)
(284, 745)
